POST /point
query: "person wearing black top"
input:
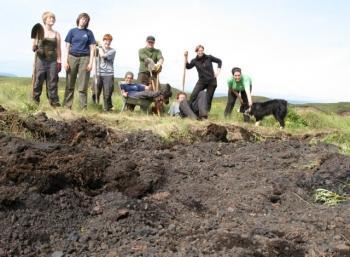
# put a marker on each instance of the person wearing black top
(207, 77)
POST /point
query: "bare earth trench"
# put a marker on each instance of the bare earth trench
(80, 189)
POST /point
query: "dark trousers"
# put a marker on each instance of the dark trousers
(149, 95)
(46, 70)
(210, 86)
(145, 78)
(197, 109)
(105, 84)
(231, 100)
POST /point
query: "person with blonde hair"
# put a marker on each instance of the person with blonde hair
(207, 77)
(48, 61)
(105, 72)
(80, 47)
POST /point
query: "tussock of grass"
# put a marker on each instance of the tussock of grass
(327, 197)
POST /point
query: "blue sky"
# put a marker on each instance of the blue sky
(292, 49)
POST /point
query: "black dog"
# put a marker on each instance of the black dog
(276, 107)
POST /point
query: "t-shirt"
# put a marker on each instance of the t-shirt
(144, 53)
(242, 85)
(132, 89)
(106, 63)
(80, 40)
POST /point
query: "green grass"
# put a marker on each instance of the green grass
(15, 94)
(327, 197)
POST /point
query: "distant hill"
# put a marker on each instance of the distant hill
(4, 74)
(341, 108)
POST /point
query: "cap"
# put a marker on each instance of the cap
(150, 38)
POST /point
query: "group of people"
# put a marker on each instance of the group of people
(82, 54)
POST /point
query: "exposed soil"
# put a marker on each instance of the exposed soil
(80, 189)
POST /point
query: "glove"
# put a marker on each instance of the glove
(35, 48)
(59, 67)
(157, 68)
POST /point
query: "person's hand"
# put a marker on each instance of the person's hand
(66, 67)
(89, 67)
(35, 48)
(157, 68)
(186, 54)
(125, 94)
(59, 67)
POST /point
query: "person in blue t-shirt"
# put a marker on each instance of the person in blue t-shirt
(140, 91)
(80, 45)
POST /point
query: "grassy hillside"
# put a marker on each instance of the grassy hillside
(312, 118)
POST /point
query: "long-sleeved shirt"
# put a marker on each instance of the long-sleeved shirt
(204, 66)
(106, 63)
(144, 53)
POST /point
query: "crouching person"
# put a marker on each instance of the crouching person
(140, 91)
(197, 110)
(105, 73)
(239, 86)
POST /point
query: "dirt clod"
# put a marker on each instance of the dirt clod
(79, 189)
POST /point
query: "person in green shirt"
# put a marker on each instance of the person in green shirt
(150, 59)
(239, 86)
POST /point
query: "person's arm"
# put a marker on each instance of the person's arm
(236, 93)
(230, 83)
(59, 52)
(58, 49)
(92, 56)
(142, 55)
(219, 63)
(66, 65)
(247, 82)
(188, 65)
(109, 55)
(123, 92)
(160, 58)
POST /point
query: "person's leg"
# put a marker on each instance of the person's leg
(210, 92)
(83, 80)
(186, 110)
(39, 79)
(107, 92)
(149, 95)
(202, 104)
(71, 78)
(52, 78)
(198, 87)
(231, 100)
(99, 88)
(143, 78)
(244, 106)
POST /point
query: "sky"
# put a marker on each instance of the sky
(292, 49)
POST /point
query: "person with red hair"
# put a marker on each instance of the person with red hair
(105, 72)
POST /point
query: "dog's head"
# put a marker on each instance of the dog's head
(253, 109)
(158, 107)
